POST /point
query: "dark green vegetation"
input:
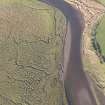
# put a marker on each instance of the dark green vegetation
(98, 39)
(31, 42)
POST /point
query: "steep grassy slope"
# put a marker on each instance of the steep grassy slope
(31, 40)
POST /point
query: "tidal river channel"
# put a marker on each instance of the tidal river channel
(77, 87)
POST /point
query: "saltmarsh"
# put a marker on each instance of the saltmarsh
(31, 42)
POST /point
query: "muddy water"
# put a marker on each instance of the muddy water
(77, 87)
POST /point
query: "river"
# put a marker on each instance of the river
(77, 86)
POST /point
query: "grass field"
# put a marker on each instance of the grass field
(100, 35)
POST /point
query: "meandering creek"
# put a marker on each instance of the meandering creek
(77, 86)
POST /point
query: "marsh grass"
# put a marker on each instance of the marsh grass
(31, 42)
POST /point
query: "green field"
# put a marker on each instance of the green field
(101, 1)
(100, 35)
